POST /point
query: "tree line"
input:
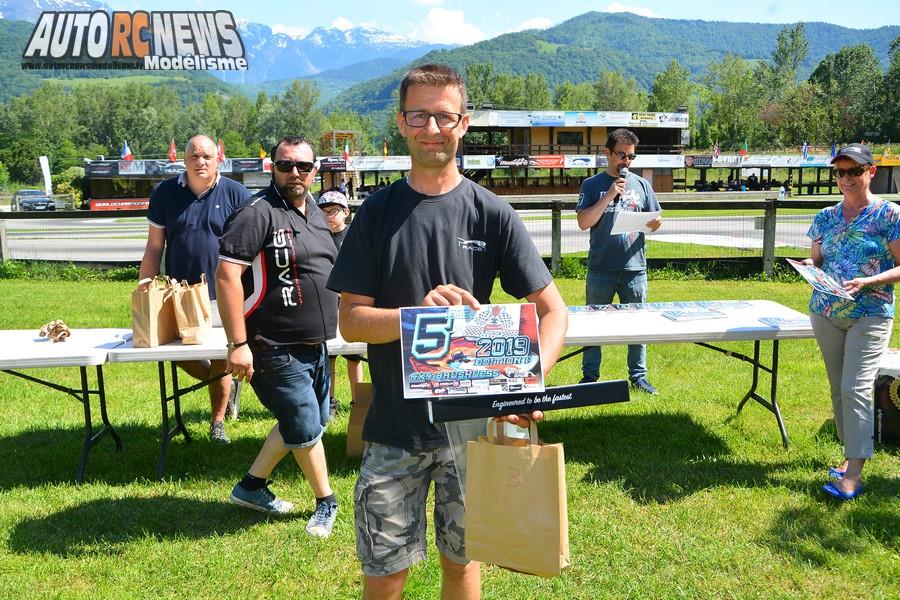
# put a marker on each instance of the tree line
(735, 103)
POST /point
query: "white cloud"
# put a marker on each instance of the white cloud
(534, 23)
(342, 23)
(442, 26)
(637, 10)
(293, 31)
(429, 2)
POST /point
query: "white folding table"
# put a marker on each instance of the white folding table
(25, 349)
(672, 322)
(213, 349)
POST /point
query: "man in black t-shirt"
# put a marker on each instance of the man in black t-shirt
(274, 259)
(432, 239)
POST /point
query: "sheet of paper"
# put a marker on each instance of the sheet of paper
(628, 221)
(820, 280)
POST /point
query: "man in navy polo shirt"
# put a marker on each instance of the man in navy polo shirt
(275, 257)
(187, 217)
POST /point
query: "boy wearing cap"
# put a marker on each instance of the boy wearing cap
(336, 210)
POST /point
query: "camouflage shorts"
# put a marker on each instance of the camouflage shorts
(389, 507)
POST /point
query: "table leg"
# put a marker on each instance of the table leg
(101, 388)
(176, 401)
(91, 437)
(177, 392)
(88, 426)
(164, 401)
(771, 404)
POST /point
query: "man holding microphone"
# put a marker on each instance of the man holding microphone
(617, 263)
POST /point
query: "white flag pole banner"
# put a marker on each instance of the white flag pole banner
(45, 171)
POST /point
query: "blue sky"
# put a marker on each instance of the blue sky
(469, 21)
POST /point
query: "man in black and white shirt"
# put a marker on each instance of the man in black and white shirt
(274, 260)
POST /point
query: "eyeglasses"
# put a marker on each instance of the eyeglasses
(420, 118)
(286, 166)
(333, 212)
(852, 172)
(623, 156)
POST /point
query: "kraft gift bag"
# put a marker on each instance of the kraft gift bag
(193, 311)
(516, 514)
(153, 314)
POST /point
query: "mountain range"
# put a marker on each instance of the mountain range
(580, 48)
(359, 68)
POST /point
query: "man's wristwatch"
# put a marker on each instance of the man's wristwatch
(232, 345)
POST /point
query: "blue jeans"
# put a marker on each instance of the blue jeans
(601, 287)
(293, 383)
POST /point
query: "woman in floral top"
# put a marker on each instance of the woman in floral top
(857, 242)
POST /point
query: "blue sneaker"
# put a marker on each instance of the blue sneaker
(322, 520)
(262, 500)
(642, 385)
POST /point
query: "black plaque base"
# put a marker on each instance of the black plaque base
(552, 398)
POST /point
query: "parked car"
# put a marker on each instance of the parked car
(32, 200)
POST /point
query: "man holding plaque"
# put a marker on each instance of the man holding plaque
(432, 239)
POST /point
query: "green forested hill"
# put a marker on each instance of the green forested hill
(639, 47)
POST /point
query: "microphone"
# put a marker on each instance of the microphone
(623, 173)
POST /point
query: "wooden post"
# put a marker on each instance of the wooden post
(556, 238)
(769, 221)
(4, 251)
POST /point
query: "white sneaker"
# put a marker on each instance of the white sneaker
(322, 520)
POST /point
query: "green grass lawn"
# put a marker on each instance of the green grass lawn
(670, 496)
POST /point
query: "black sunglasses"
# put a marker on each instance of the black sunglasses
(623, 156)
(852, 172)
(286, 166)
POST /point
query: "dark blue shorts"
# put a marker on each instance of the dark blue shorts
(293, 383)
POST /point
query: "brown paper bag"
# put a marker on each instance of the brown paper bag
(516, 514)
(153, 315)
(193, 311)
(359, 408)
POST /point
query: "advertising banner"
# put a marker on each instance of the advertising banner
(161, 167)
(473, 161)
(246, 165)
(512, 118)
(102, 167)
(132, 167)
(547, 161)
(329, 164)
(512, 160)
(580, 161)
(547, 118)
(458, 351)
(379, 163)
(698, 161)
(582, 119)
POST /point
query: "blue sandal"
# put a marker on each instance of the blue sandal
(836, 492)
(833, 473)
